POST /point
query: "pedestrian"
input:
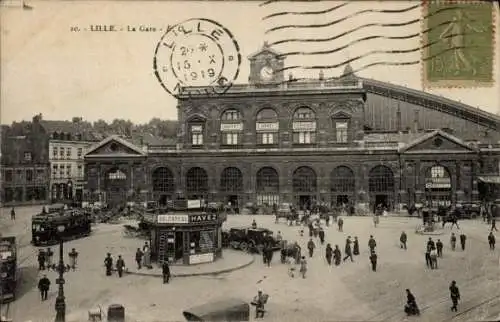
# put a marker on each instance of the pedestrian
(254, 224)
(165, 269)
(355, 246)
(373, 261)
(455, 295)
(327, 220)
(43, 286)
(120, 265)
(108, 263)
(41, 260)
(329, 254)
(321, 234)
(493, 223)
(402, 240)
(310, 247)
(138, 258)
(428, 260)
(147, 256)
(433, 255)
(439, 247)
(73, 256)
(348, 251)
(463, 238)
(372, 244)
(13, 214)
(431, 243)
(411, 307)
(259, 301)
(303, 266)
(453, 241)
(311, 229)
(340, 223)
(454, 221)
(491, 240)
(337, 255)
(48, 257)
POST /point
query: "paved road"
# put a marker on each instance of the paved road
(349, 292)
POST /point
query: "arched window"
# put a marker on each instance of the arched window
(438, 186)
(231, 127)
(116, 174)
(268, 186)
(267, 126)
(342, 180)
(163, 180)
(381, 179)
(304, 126)
(231, 180)
(196, 181)
(304, 180)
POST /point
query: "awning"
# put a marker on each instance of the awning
(490, 179)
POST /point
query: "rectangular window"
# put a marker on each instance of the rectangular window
(341, 132)
(68, 170)
(80, 153)
(267, 138)
(304, 137)
(39, 175)
(80, 171)
(27, 156)
(230, 138)
(29, 175)
(61, 152)
(68, 153)
(8, 175)
(54, 152)
(197, 139)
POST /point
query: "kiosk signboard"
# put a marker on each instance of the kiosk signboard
(201, 258)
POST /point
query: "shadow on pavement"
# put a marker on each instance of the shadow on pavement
(28, 279)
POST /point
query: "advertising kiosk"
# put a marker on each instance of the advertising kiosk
(187, 232)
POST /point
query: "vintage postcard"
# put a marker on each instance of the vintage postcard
(249, 160)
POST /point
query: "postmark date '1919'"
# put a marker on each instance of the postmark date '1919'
(197, 53)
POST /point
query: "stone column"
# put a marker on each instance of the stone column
(474, 175)
(419, 176)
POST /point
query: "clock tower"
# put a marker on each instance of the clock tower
(266, 66)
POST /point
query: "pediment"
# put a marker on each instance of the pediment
(115, 146)
(341, 115)
(436, 142)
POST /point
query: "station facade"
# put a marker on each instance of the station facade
(348, 140)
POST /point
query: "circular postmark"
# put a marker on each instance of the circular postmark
(197, 53)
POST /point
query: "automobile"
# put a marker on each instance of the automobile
(470, 210)
(250, 239)
(219, 310)
(44, 226)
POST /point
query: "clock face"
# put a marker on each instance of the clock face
(266, 73)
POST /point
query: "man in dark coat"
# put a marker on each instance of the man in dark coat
(41, 260)
(43, 286)
(403, 238)
(355, 246)
(372, 244)
(329, 254)
(254, 224)
(430, 243)
(493, 224)
(340, 223)
(337, 255)
(348, 251)
(165, 269)
(373, 260)
(411, 307)
(455, 295)
(428, 260)
(310, 247)
(120, 265)
(453, 241)
(439, 248)
(138, 258)
(12, 214)
(491, 240)
(321, 234)
(108, 263)
(463, 238)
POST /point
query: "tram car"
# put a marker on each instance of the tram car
(8, 269)
(44, 227)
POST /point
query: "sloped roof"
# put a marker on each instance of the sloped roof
(265, 47)
(118, 139)
(429, 135)
(87, 132)
(392, 137)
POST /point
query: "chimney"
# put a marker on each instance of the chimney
(416, 122)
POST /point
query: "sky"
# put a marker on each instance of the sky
(47, 68)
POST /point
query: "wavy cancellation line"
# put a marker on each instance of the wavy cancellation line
(402, 51)
(274, 1)
(305, 12)
(332, 23)
(382, 62)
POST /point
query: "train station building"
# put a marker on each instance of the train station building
(348, 140)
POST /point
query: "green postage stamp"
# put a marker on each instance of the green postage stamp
(458, 44)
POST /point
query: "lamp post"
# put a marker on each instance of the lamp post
(60, 300)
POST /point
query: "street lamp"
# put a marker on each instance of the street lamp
(60, 303)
